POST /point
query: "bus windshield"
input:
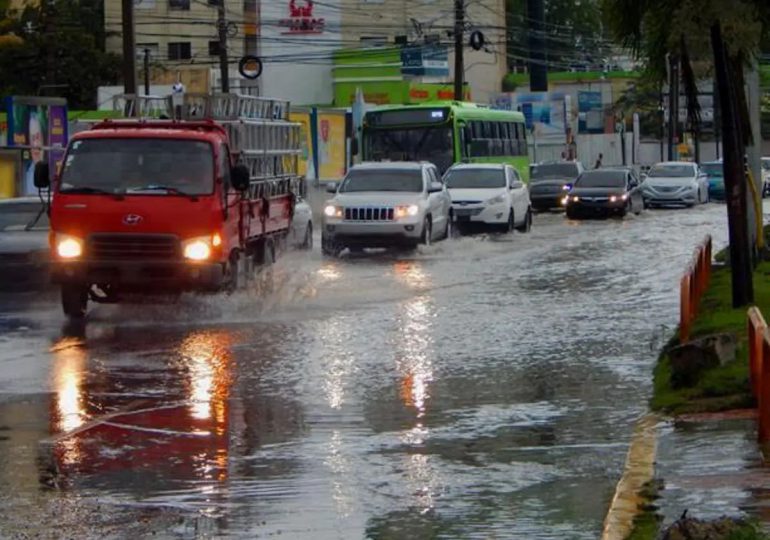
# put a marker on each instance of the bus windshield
(414, 144)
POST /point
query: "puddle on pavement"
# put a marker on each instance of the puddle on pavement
(476, 387)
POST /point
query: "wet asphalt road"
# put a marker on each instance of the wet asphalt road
(480, 388)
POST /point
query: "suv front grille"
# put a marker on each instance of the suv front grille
(138, 247)
(369, 214)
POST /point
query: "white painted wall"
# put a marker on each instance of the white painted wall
(298, 67)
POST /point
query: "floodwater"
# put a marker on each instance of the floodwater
(484, 387)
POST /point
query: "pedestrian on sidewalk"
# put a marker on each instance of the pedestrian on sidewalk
(598, 162)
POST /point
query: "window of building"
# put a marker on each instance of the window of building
(179, 4)
(179, 50)
(213, 48)
(374, 41)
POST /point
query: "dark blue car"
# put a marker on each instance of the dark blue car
(716, 179)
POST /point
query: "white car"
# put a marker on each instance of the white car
(386, 204)
(489, 194)
(301, 233)
(675, 183)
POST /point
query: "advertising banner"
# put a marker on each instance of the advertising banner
(590, 112)
(545, 113)
(425, 60)
(306, 168)
(38, 126)
(331, 145)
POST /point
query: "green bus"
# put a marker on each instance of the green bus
(444, 133)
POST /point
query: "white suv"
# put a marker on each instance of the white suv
(490, 194)
(386, 204)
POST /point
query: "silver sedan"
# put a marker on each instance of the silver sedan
(675, 183)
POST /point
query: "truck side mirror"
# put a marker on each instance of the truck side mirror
(42, 175)
(240, 176)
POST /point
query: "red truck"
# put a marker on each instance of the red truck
(158, 207)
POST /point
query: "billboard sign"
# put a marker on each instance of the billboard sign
(38, 126)
(590, 112)
(425, 61)
(545, 113)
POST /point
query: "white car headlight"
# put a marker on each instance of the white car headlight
(407, 211)
(332, 211)
(68, 247)
(496, 200)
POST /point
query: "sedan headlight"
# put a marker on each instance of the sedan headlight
(496, 200)
(201, 247)
(68, 247)
(407, 211)
(332, 211)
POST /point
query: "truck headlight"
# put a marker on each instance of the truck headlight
(405, 211)
(332, 211)
(197, 249)
(68, 247)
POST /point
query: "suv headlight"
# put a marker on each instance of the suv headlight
(496, 200)
(68, 247)
(200, 248)
(406, 211)
(332, 211)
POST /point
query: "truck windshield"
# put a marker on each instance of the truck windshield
(418, 144)
(139, 166)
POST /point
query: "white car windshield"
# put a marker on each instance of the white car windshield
(671, 171)
(475, 178)
(383, 180)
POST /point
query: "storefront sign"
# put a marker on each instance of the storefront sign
(301, 20)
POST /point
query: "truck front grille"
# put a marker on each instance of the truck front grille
(137, 247)
(369, 214)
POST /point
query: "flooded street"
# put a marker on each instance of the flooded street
(484, 387)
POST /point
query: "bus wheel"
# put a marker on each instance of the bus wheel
(74, 300)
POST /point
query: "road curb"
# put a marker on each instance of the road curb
(639, 469)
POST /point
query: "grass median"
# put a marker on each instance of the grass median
(724, 387)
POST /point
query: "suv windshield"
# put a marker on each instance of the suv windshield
(613, 179)
(475, 178)
(554, 170)
(671, 171)
(418, 144)
(376, 179)
(21, 216)
(158, 166)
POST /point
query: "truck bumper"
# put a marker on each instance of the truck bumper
(142, 276)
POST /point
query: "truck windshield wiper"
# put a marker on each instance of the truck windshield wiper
(88, 189)
(169, 189)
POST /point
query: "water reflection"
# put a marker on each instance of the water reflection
(163, 417)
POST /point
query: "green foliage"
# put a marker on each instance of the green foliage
(572, 32)
(75, 47)
(653, 28)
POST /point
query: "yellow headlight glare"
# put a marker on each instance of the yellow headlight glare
(68, 247)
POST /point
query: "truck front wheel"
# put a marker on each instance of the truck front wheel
(74, 300)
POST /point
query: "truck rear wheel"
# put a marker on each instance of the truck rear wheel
(74, 300)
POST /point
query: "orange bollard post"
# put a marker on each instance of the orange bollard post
(684, 308)
(756, 332)
(763, 400)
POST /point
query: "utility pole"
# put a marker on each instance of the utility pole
(129, 48)
(50, 61)
(224, 72)
(538, 72)
(673, 104)
(147, 72)
(459, 61)
(735, 179)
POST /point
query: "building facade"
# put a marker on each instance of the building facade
(385, 22)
